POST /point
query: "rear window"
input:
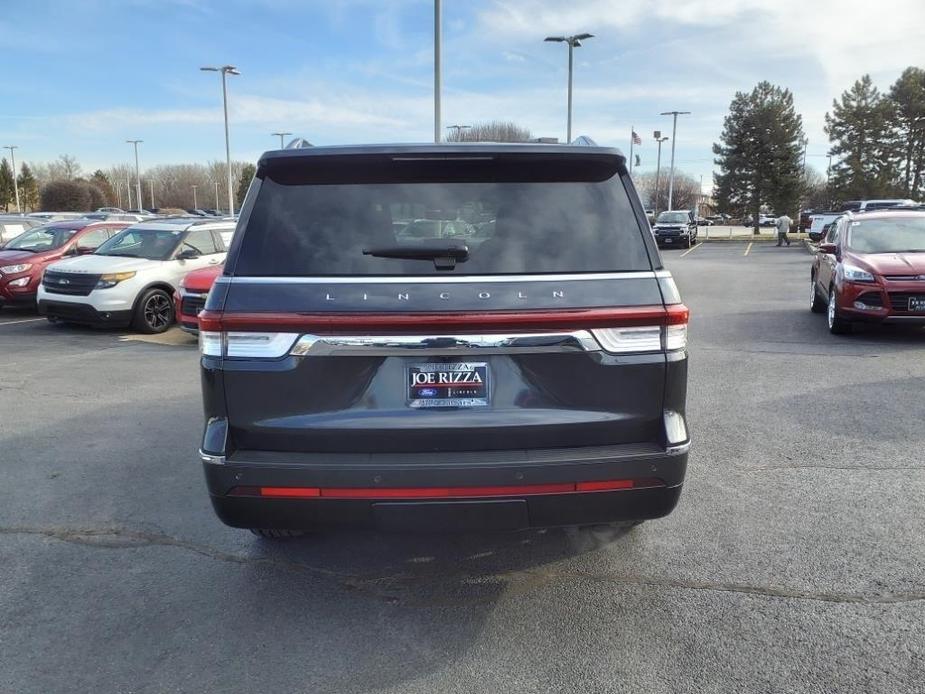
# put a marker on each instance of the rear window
(528, 216)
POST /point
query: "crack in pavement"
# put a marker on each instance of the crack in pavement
(518, 581)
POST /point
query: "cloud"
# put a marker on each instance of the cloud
(346, 111)
(847, 39)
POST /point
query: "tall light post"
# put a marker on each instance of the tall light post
(805, 142)
(137, 175)
(216, 196)
(674, 135)
(226, 70)
(195, 201)
(438, 70)
(573, 43)
(458, 129)
(281, 136)
(12, 149)
(658, 166)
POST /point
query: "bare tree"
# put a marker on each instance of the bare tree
(686, 190)
(493, 131)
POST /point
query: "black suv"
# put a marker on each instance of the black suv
(676, 228)
(524, 366)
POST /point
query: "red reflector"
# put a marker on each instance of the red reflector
(300, 492)
(373, 323)
(438, 492)
(603, 485)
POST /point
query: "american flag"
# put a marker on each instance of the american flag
(636, 139)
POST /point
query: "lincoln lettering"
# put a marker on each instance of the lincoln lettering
(444, 295)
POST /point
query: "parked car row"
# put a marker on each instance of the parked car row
(109, 272)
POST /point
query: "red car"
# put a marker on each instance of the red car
(871, 268)
(191, 296)
(24, 259)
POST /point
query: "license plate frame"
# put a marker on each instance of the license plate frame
(448, 384)
(916, 304)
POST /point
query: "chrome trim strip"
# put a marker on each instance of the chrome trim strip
(211, 459)
(323, 345)
(450, 279)
(680, 449)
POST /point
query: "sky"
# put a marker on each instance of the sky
(82, 77)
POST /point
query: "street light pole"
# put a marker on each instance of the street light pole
(12, 149)
(281, 136)
(195, 201)
(674, 133)
(226, 70)
(216, 196)
(573, 43)
(438, 77)
(658, 167)
(137, 175)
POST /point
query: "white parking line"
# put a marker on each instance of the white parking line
(747, 249)
(691, 249)
(26, 320)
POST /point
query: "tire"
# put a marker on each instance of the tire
(154, 312)
(837, 324)
(688, 243)
(271, 534)
(816, 304)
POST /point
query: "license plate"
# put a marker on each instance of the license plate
(667, 240)
(452, 384)
(917, 304)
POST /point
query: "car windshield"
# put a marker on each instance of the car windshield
(153, 244)
(506, 222)
(41, 239)
(672, 218)
(888, 235)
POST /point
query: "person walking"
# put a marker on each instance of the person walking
(783, 227)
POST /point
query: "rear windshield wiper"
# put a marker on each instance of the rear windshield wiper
(445, 257)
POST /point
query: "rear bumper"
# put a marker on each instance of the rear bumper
(234, 487)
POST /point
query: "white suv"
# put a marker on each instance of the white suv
(131, 278)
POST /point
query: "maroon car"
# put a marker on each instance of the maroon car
(24, 259)
(871, 268)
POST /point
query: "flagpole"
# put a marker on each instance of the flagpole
(632, 131)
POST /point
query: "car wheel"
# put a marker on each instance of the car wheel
(272, 534)
(688, 243)
(154, 313)
(816, 304)
(837, 324)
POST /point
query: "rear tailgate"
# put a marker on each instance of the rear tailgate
(398, 355)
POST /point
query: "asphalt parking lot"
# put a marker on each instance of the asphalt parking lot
(795, 561)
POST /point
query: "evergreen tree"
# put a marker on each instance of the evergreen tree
(102, 183)
(6, 185)
(859, 128)
(760, 154)
(908, 106)
(244, 181)
(28, 188)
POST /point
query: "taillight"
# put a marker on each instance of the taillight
(619, 330)
(246, 345)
